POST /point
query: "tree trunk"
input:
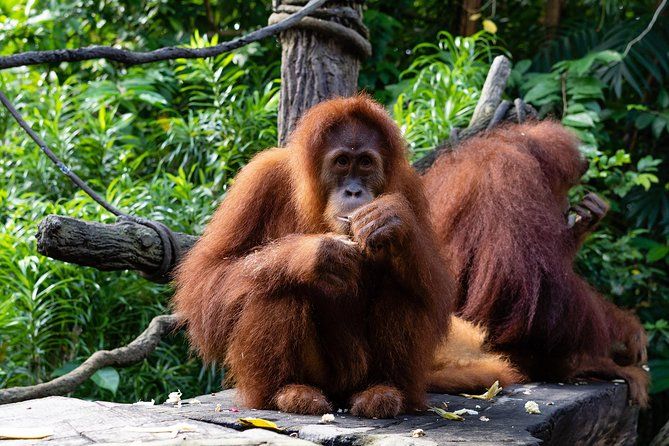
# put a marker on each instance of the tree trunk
(314, 67)
(552, 17)
(469, 7)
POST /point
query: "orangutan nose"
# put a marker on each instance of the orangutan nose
(353, 191)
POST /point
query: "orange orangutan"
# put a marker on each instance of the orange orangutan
(499, 205)
(318, 281)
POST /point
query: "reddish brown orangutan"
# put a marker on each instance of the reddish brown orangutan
(499, 205)
(318, 280)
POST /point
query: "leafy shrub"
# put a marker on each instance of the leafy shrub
(160, 141)
(439, 91)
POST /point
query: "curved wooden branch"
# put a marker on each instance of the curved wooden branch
(169, 53)
(351, 16)
(130, 354)
(107, 247)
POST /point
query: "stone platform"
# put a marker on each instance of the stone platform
(592, 413)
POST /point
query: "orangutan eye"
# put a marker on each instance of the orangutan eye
(365, 162)
(342, 161)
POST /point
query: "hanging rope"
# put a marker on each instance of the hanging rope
(171, 250)
(342, 23)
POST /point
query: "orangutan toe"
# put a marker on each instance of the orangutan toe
(302, 399)
(377, 402)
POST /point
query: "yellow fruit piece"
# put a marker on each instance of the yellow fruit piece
(24, 433)
(446, 415)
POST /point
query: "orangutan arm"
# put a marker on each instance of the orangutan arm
(324, 262)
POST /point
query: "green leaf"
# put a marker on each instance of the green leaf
(107, 378)
(620, 158)
(541, 90)
(65, 369)
(575, 107)
(579, 120)
(657, 253)
(523, 65)
(582, 66)
(659, 370)
(646, 180)
(645, 243)
(663, 98)
(658, 125)
(102, 118)
(585, 87)
(648, 164)
(643, 120)
(608, 56)
(152, 98)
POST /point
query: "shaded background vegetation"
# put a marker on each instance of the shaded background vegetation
(164, 140)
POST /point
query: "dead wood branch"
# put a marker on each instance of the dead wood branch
(491, 97)
(127, 57)
(107, 247)
(130, 354)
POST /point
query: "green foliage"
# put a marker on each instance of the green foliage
(161, 141)
(439, 90)
(638, 70)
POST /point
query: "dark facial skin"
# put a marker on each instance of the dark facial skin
(352, 170)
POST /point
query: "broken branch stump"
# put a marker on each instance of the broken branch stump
(107, 247)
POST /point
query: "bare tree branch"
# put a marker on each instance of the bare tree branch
(107, 247)
(136, 57)
(640, 37)
(130, 354)
(491, 93)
